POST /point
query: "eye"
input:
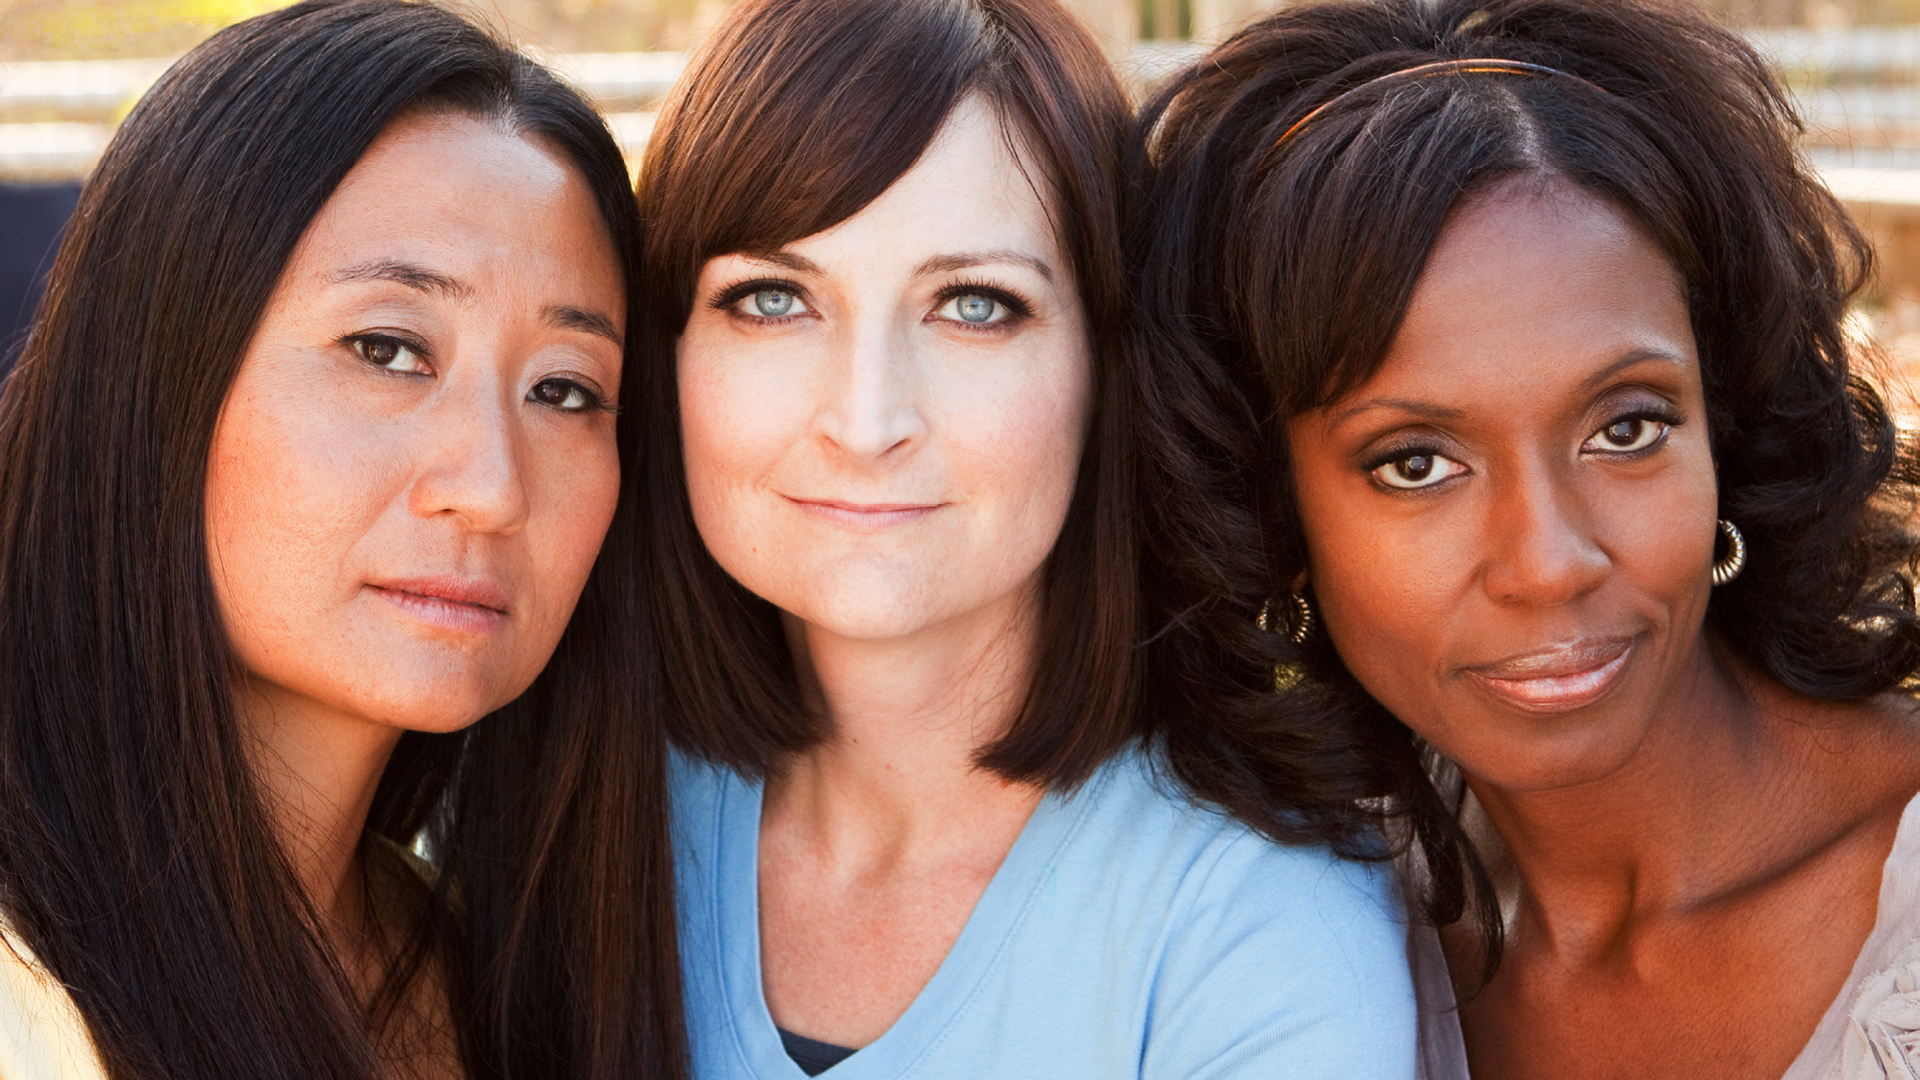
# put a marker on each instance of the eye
(769, 303)
(1627, 435)
(563, 394)
(391, 353)
(974, 309)
(1421, 469)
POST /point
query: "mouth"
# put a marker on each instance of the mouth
(1557, 679)
(460, 605)
(865, 515)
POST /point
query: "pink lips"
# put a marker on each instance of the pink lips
(462, 605)
(866, 515)
(1557, 679)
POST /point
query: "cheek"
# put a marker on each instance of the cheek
(575, 481)
(738, 416)
(1385, 591)
(290, 488)
(1016, 444)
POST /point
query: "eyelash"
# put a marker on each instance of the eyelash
(729, 297)
(1389, 455)
(733, 294)
(1016, 305)
(594, 402)
(1666, 417)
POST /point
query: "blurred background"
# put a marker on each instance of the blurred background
(69, 69)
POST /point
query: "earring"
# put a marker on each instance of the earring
(1299, 627)
(1735, 560)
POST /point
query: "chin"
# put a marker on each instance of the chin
(436, 704)
(1561, 752)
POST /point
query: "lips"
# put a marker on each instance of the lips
(1559, 678)
(460, 605)
(866, 515)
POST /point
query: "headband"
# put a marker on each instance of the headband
(1485, 66)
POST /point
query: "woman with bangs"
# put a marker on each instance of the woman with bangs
(920, 824)
(1519, 326)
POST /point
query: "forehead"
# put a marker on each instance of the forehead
(440, 184)
(974, 188)
(1531, 288)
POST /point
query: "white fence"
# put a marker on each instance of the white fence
(56, 116)
(1859, 91)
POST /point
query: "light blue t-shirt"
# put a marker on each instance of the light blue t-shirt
(1128, 934)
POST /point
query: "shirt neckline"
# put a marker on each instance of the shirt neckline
(921, 1028)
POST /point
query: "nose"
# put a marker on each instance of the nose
(1544, 551)
(471, 469)
(869, 409)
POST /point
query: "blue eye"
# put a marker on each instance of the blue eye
(771, 304)
(975, 309)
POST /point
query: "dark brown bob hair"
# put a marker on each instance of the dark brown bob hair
(140, 862)
(1277, 272)
(795, 115)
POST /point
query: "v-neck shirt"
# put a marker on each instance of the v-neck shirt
(1128, 933)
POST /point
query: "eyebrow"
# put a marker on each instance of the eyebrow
(1637, 356)
(1431, 411)
(590, 322)
(799, 264)
(1425, 409)
(412, 275)
(946, 264)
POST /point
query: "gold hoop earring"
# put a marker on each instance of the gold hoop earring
(1735, 560)
(1299, 626)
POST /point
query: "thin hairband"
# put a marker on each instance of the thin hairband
(1484, 66)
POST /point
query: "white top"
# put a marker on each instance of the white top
(41, 1034)
(1870, 1032)
(1129, 933)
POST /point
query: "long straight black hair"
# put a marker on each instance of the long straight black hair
(137, 856)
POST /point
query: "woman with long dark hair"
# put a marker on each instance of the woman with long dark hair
(1512, 334)
(921, 829)
(304, 472)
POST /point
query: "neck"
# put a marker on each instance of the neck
(318, 769)
(908, 717)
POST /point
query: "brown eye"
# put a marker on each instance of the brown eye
(1627, 435)
(390, 353)
(1417, 470)
(563, 394)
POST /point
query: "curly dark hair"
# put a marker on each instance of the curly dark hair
(1276, 271)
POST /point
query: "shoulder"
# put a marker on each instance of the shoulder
(1266, 952)
(694, 787)
(42, 1036)
(1220, 862)
(1276, 960)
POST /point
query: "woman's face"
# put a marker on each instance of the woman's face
(882, 421)
(1510, 526)
(414, 469)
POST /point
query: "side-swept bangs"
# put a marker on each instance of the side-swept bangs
(793, 117)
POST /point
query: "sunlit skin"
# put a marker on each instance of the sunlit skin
(1510, 530)
(413, 471)
(882, 426)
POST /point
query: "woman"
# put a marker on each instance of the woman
(301, 477)
(919, 832)
(1525, 320)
